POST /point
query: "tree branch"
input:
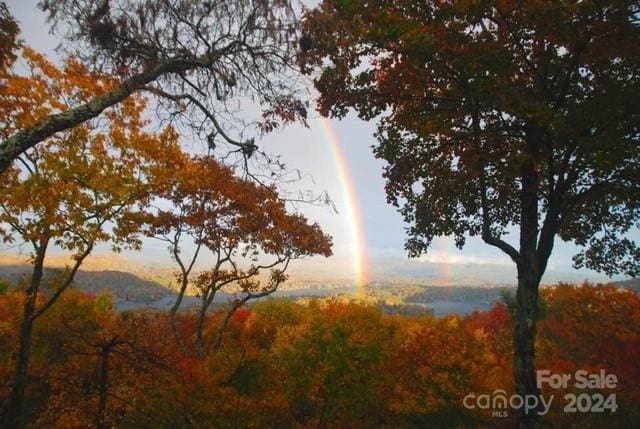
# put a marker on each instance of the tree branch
(487, 235)
(27, 138)
(64, 285)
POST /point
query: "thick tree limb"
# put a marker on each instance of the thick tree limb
(27, 138)
(487, 235)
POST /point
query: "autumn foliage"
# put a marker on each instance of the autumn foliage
(96, 184)
(512, 121)
(80, 188)
(325, 364)
(492, 115)
(248, 234)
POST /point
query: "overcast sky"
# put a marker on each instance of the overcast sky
(309, 151)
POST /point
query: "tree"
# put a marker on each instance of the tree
(180, 221)
(331, 366)
(196, 57)
(497, 117)
(247, 229)
(9, 42)
(78, 189)
(95, 360)
(440, 362)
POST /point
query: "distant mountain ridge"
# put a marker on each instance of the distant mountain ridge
(101, 261)
(431, 273)
(122, 286)
(632, 284)
(124, 279)
(134, 281)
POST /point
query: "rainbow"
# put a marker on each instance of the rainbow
(352, 209)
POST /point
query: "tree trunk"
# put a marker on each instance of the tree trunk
(174, 312)
(200, 328)
(524, 370)
(528, 280)
(104, 384)
(13, 416)
(225, 321)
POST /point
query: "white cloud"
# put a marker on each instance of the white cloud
(445, 257)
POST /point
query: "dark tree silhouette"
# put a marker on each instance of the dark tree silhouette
(497, 116)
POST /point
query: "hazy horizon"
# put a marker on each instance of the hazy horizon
(423, 271)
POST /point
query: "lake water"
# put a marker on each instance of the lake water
(439, 307)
